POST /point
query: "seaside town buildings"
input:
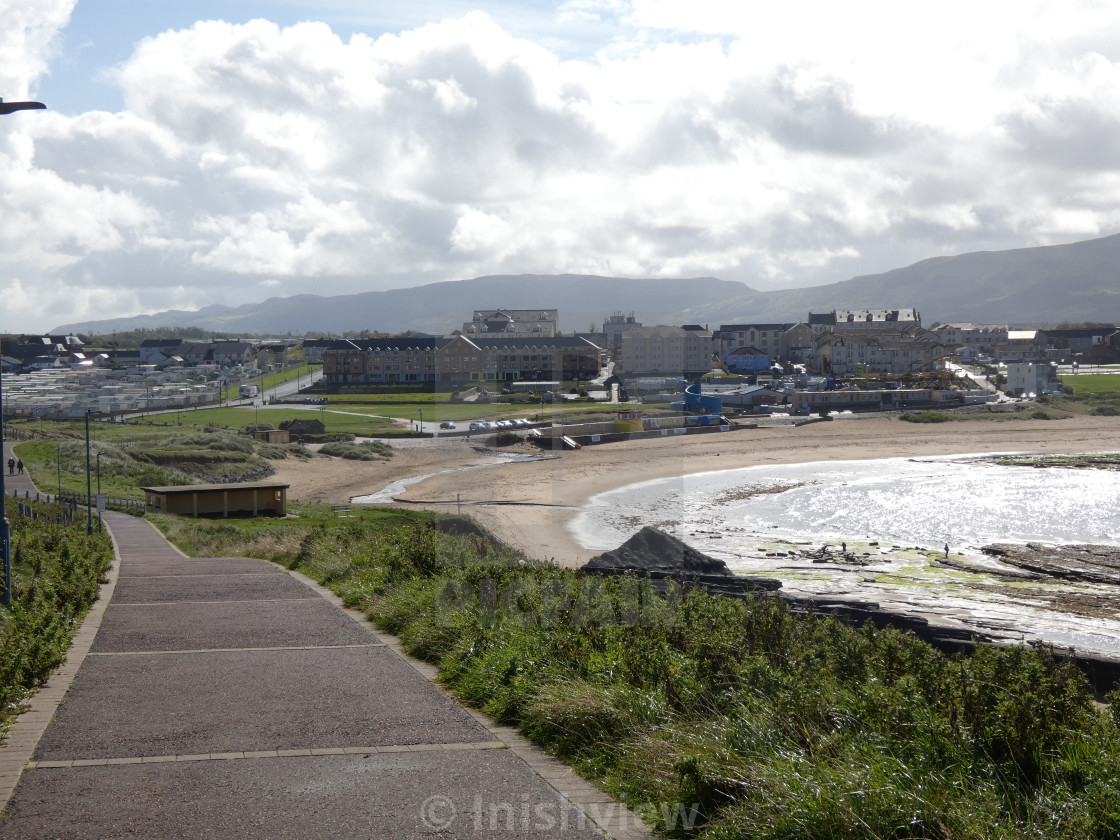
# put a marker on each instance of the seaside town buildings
(524, 348)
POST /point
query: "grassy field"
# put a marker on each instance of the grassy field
(239, 417)
(716, 718)
(1093, 383)
(270, 380)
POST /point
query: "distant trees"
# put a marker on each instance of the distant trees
(131, 339)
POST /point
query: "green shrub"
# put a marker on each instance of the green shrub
(925, 417)
(367, 451)
(56, 569)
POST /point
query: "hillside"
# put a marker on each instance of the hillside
(1044, 285)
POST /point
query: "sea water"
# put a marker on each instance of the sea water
(965, 502)
(895, 517)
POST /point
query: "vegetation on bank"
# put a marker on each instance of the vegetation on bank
(925, 417)
(737, 717)
(1041, 408)
(132, 457)
(370, 450)
(56, 568)
(1094, 461)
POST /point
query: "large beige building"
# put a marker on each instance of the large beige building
(984, 338)
(780, 342)
(666, 351)
(877, 351)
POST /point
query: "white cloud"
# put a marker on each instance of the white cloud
(776, 144)
(27, 34)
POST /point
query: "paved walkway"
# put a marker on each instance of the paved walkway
(227, 697)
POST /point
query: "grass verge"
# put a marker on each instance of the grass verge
(717, 718)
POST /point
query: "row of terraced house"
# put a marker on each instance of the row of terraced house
(459, 361)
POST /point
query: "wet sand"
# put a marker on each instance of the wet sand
(528, 505)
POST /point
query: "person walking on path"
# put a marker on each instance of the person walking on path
(11, 466)
(19, 466)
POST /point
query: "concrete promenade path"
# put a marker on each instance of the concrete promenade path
(227, 697)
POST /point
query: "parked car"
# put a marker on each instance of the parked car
(447, 424)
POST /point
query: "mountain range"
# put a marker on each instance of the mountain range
(1038, 286)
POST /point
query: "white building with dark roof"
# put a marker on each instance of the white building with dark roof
(513, 323)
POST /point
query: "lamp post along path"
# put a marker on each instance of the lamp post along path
(5, 527)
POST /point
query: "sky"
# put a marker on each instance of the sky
(223, 153)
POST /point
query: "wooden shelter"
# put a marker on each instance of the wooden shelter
(261, 498)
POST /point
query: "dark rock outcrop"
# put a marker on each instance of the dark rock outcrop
(658, 556)
(1090, 563)
(653, 550)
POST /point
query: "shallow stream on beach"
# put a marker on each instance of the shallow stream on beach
(894, 517)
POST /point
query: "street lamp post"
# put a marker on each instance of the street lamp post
(89, 488)
(99, 492)
(5, 527)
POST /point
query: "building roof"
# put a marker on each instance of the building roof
(855, 316)
(500, 342)
(231, 346)
(660, 331)
(747, 351)
(1080, 332)
(745, 327)
(210, 488)
(392, 345)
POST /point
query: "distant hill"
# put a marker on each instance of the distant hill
(1038, 286)
(1045, 285)
(439, 308)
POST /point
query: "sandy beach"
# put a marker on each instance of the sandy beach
(529, 504)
